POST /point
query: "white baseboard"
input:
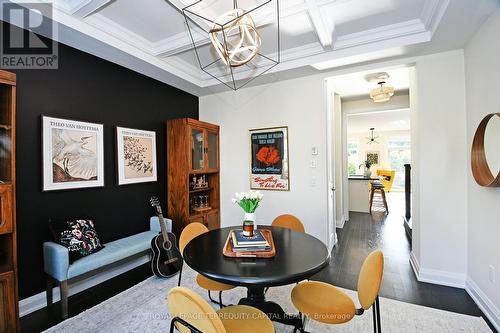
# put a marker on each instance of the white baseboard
(38, 301)
(435, 276)
(483, 302)
(414, 264)
(340, 223)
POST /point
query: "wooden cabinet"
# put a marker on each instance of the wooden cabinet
(8, 315)
(204, 152)
(210, 219)
(192, 158)
(9, 311)
(5, 209)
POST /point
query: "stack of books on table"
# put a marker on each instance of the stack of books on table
(256, 243)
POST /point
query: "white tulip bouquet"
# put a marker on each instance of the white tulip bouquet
(248, 201)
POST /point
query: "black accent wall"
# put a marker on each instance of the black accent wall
(91, 89)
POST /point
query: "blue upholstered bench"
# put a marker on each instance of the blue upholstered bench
(59, 271)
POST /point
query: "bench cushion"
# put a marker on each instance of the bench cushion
(112, 252)
(56, 257)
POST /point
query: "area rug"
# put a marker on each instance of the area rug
(143, 308)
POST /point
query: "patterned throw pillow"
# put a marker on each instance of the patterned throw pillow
(79, 236)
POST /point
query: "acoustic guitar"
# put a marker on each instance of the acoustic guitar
(167, 260)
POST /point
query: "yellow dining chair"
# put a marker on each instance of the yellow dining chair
(328, 304)
(191, 313)
(191, 231)
(288, 221)
(388, 178)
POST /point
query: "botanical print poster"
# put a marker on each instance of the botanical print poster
(73, 155)
(269, 156)
(136, 156)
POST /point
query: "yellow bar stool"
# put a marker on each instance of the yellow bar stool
(191, 313)
(191, 231)
(328, 304)
(379, 187)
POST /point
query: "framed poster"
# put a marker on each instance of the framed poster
(372, 157)
(136, 156)
(269, 159)
(73, 154)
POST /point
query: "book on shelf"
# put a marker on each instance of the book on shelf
(257, 240)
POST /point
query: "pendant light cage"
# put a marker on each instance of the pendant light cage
(232, 44)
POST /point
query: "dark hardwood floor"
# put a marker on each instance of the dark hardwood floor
(361, 235)
(364, 233)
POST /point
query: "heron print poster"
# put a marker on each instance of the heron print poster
(73, 155)
(269, 156)
(136, 156)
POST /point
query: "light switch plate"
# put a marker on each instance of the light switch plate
(314, 150)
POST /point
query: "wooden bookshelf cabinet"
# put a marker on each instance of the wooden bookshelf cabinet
(9, 311)
(192, 153)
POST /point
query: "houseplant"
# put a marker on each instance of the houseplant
(249, 202)
(367, 172)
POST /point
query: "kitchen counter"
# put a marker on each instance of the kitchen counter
(361, 177)
(359, 193)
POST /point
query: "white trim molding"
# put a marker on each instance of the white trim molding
(444, 278)
(483, 302)
(340, 223)
(432, 14)
(39, 301)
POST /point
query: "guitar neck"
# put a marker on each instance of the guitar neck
(162, 226)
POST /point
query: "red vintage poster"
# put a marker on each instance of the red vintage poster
(269, 159)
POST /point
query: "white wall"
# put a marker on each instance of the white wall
(482, 63)
(439, 176)
(438, 140)
(298, 104)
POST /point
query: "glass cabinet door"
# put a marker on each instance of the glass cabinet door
(212, 151)
(5, 133)
(197, 149)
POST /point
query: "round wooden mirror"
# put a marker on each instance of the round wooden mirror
(485, 159)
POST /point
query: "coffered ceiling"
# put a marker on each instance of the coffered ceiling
(151, 37)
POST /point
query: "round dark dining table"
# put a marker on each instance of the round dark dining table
(298, 257)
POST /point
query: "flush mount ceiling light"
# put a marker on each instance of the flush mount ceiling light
(231, 47)
(372, 138)
(380, 94)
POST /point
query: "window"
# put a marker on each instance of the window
(352, 157)
(399, 155)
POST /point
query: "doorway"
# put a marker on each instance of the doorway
(363, 131)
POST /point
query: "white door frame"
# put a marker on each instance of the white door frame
(330, 168)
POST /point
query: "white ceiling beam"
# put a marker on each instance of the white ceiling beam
(325, 34)
(433, 13)
(90, 7)
(181, 42)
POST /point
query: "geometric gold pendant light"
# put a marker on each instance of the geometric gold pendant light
(242, 41)
(234, 43)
